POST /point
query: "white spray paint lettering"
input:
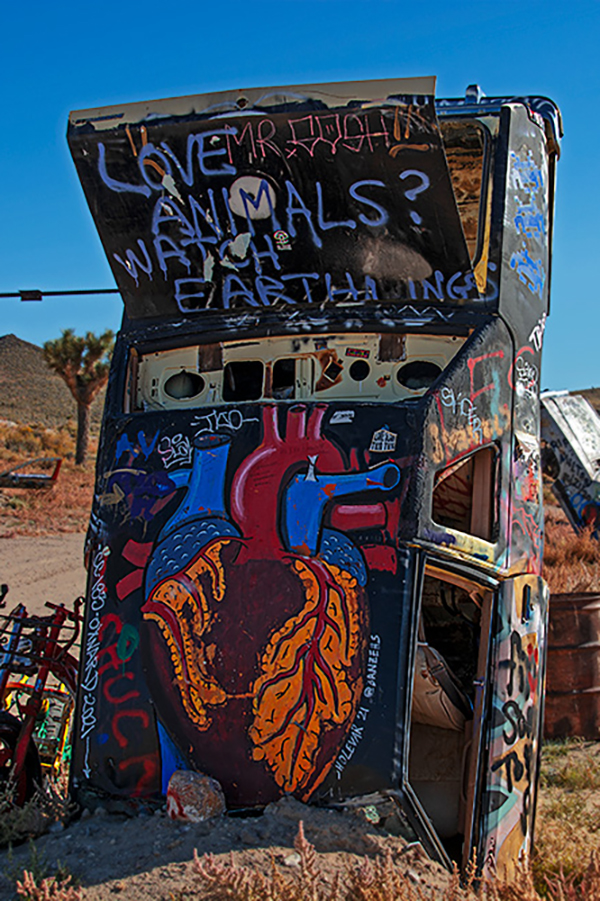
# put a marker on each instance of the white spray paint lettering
(89, 681)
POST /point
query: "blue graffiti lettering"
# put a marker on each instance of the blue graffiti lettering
(141, 446)
(249, 201)
(182, 294)
(345, 223)
(269, 287)
(112, 183)
(300, 210)
(412, 193)
(531, 272)
(333, 292)
(383, 214)
(146, 165)
(438, 291)
(233, 287)
(211, 219)
(270, 253)
(303, 276)
(165, 254)
(132, 262)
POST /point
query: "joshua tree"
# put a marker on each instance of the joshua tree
(83, 363)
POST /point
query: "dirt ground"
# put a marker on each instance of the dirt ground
(41, 569)
(151, 856)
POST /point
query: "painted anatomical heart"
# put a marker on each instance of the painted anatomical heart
(256, 624)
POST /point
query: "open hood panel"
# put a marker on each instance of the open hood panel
(310, 195)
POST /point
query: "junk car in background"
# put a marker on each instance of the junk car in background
(571, 456)
(316, 539)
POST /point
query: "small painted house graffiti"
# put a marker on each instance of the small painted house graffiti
(315, 545)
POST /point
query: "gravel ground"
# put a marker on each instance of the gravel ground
(151, 856)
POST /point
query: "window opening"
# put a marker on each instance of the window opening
(386, 368)
(243, 380)
(284, 379)
(359, 370)
(463, 496)
(418, 374)
(184, 384)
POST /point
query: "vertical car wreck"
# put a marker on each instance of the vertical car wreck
(315, 546)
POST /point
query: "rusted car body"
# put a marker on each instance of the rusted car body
(316, 539)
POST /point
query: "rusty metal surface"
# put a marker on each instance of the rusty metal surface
(573, 673)
(14, 478)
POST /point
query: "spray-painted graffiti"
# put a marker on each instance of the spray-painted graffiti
(272, 564)
(529, 220)
(126, 718)
(141, 446)
(219, 420)
(175, 450)
(587, 511)
(135, 494)
(514, 733)
(571, 449)
(462, 407)
(229, 219)
(301, 685)
(524, 375)
(536, 336)
(89, 680)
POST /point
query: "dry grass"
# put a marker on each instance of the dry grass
(382, 879)
(49, 805)
(568, 819)
(385, 879)
(571, 562)
(63, 508)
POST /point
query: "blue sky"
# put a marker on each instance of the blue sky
(59, 56)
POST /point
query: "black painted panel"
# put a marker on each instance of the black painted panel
(301, 204)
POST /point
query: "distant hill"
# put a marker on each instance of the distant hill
(32, 393)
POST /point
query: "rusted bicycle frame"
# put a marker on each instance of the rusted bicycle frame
(31, 647)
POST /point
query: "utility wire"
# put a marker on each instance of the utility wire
(34, 294)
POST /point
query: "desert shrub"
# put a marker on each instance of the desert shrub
(48, 805)
(40, 881)
(32, 440)
(49, 888)
(384, 879)
(571, 561)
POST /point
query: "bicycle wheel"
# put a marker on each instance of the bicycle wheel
(31, 776)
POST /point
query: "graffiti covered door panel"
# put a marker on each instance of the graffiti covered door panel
(514, 722)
